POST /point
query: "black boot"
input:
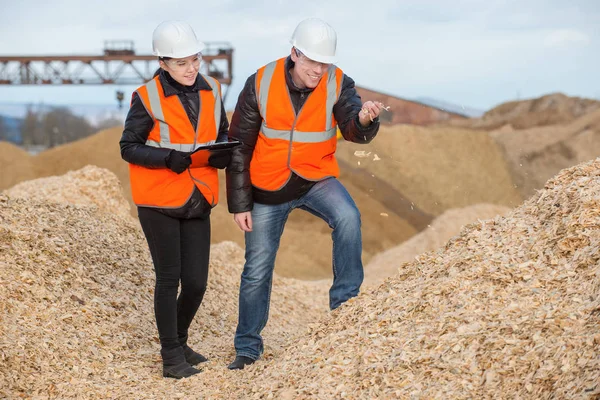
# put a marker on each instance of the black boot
(175, 365)
(240, 362)
(192, 357)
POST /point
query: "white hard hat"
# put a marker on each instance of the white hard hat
(316, 39)
(175, 39)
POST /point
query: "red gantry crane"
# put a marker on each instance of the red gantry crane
(119, 65)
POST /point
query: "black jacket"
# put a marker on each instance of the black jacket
(245, 126)
(139, 123)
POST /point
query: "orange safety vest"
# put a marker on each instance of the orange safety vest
(303, 143)
(161, 187)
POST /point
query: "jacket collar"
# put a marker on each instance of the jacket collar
(171, 87)
(289, 64)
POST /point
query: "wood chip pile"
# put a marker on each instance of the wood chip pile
(76, 302)
(442, 229)
(87, 186)
(536, 154)
(510, 308)
(15, 165)
(436, 168)
(551, 109)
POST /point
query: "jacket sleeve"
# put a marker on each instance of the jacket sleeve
(346, 112)
(245, 125)
(138, 125)
(224, 126)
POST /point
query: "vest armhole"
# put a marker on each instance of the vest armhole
(147, 110)
(211, 82)
(256, 92)
(340, 85)
(145, 105)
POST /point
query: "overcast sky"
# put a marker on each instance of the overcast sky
(476, 53)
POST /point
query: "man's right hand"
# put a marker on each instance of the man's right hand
(244, 221)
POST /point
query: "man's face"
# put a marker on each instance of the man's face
(306, 72)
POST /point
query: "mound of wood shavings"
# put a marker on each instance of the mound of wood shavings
(76, 306)
(509, 309)
(435, 235)
(436, 168)
(536, 154)
(15, 165)
(551, 109)
(90, 185)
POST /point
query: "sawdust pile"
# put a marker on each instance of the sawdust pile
(100, 149)
(15, 165)
(87, 186)
(552, 109)
(510, 309)
(76, 303)
(442, 229)
(537, 154)
(436, 169)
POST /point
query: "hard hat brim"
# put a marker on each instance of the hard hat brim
(182, 53)
(318, 57)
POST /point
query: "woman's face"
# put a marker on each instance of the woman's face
(183, 70)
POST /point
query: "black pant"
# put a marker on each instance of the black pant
(180, 250)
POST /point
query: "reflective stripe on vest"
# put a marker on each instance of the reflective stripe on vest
(302, 142)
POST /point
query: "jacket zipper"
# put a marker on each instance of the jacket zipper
(291, 146)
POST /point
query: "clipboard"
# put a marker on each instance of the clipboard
(200, 156)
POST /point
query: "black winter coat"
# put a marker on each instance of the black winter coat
(139, 123)
(245, 126)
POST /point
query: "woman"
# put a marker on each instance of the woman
(170, 116)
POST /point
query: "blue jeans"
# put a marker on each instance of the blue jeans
(328, 200)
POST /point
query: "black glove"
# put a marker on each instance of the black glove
(219, 159)
(177, 161)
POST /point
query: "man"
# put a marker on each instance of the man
(286, 117)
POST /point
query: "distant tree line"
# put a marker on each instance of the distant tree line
(53, 127)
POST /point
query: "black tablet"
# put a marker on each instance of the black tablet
(218, 146)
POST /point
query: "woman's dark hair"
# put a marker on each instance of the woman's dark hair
(158, 70)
